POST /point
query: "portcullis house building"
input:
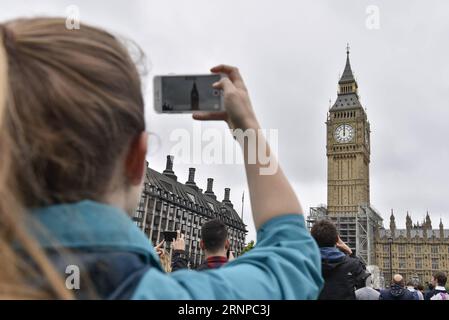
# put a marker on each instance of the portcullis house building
(169, 205)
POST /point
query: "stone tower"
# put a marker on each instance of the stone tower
(348, 149)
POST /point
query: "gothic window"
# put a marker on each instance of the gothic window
(418, 263)
(434, 249)
(401, 263)
(386, 264)
(434, 264)
(417, 249)
(401, 249)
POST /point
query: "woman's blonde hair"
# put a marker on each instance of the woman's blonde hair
(166, 261)
(70, 105)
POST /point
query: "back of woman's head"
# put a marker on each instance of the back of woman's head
(70, 104)
(73, 104)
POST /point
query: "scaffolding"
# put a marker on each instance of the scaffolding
(367, 220)
(356, 229)
(315, 214)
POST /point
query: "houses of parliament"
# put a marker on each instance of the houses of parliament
(417, 251)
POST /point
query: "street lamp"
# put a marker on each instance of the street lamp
(390, 242)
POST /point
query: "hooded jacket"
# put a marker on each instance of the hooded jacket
(102, 254)
(342, 274)
(396, 292)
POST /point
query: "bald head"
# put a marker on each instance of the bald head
(398, 279)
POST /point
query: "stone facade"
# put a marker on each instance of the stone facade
(417, 251)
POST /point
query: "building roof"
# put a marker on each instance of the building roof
(413, 233)
(193, 195)
(346, 101)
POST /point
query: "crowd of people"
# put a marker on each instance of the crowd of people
(73, 142)
(346, 278)
(345, 275)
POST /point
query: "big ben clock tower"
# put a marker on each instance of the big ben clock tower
(348, 149)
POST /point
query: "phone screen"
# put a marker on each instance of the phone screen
(170, 235)
(190, 93)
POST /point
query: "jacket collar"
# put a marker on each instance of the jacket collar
(331, 253)
(89, 225)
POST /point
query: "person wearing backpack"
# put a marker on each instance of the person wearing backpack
(342, 272)
(439, 281)
(397, 290)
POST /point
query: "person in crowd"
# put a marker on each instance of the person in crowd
(367, 292)
(215, 244)
(416, 293)
(397, 290)
(420, 288)
(429, 290)
(439, 291)
(73, 143)
(342, 272)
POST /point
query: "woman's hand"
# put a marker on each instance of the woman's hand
(159, 250)
(238, 112)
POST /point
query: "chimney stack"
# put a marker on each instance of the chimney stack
(226, 199)
(191, 181)
(209, 192)
(169, 168)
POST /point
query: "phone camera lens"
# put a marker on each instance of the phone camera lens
(216, 92)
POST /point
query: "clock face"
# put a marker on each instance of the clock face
(344, 133)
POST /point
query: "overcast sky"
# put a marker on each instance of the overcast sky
(291, 54)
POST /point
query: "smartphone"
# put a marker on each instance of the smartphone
(187, 93)
(170, 235)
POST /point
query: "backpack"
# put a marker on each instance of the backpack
(444, 296)
(340, 279)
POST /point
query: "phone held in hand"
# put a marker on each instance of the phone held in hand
(169, 236)
(187, 93)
